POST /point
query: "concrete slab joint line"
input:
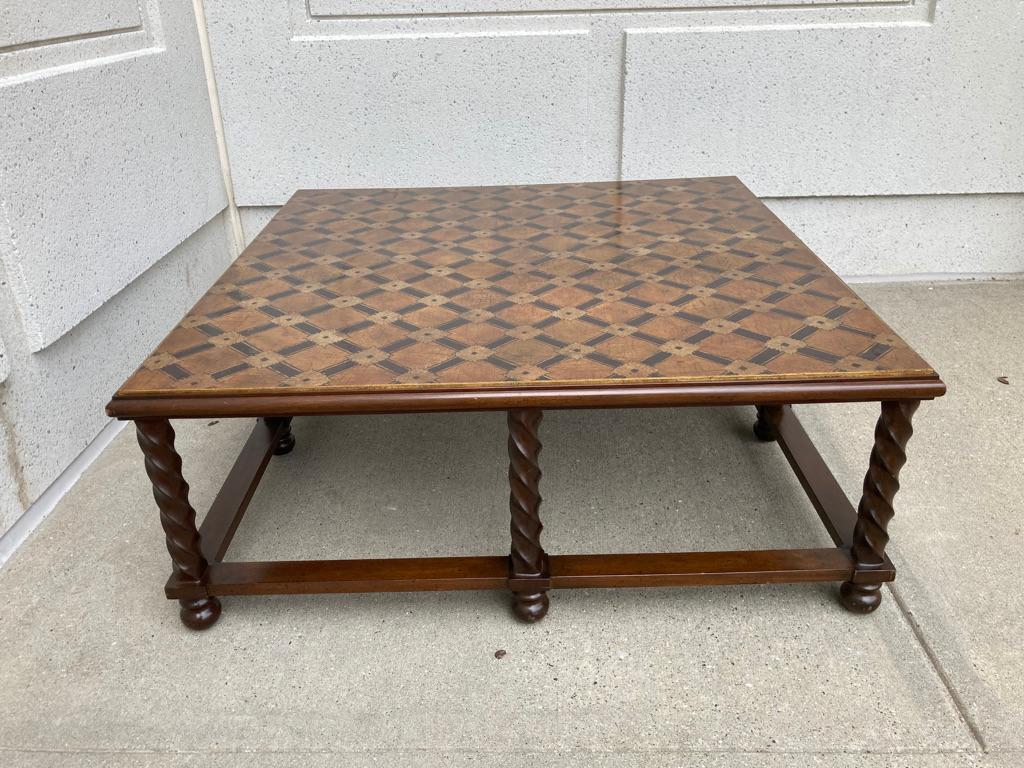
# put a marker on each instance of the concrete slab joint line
(936, 662)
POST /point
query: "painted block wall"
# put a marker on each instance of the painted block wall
(112, 215)
(887, 133)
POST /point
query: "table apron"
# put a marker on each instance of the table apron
(618, 396)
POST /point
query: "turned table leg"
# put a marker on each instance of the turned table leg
(528, 558)
(286, 441)
(163, 465)
(766, 427)
(875, 510)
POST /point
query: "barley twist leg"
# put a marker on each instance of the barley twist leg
(870, 535)
(527, 557)
(163, 465)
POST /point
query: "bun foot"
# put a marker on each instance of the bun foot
(764, 433)
(284, 444)
(767, 424)
(530, 607)
(860, 598)
(200, 614)
(286, 440)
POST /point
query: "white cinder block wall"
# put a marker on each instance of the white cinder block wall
(889, 134)
(112, 215)
(886, 132)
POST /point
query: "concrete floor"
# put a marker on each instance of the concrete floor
(96, 670)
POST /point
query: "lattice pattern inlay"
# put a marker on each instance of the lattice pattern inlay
(642, 281)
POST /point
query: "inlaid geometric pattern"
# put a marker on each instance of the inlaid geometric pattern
(462, 288)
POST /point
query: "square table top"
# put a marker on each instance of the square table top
(672, 282)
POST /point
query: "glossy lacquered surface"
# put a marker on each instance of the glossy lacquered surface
(576, 287)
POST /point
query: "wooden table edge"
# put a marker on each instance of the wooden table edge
(286, 403)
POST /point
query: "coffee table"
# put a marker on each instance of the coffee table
(681, 292)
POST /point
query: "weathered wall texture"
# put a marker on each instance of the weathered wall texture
(913, 107)
(111, 218)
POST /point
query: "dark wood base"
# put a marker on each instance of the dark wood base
(860, 598)
(766, 428)
(431, 574)
(530, 606)
(285, 439)
(857, 560)
(200, 613)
